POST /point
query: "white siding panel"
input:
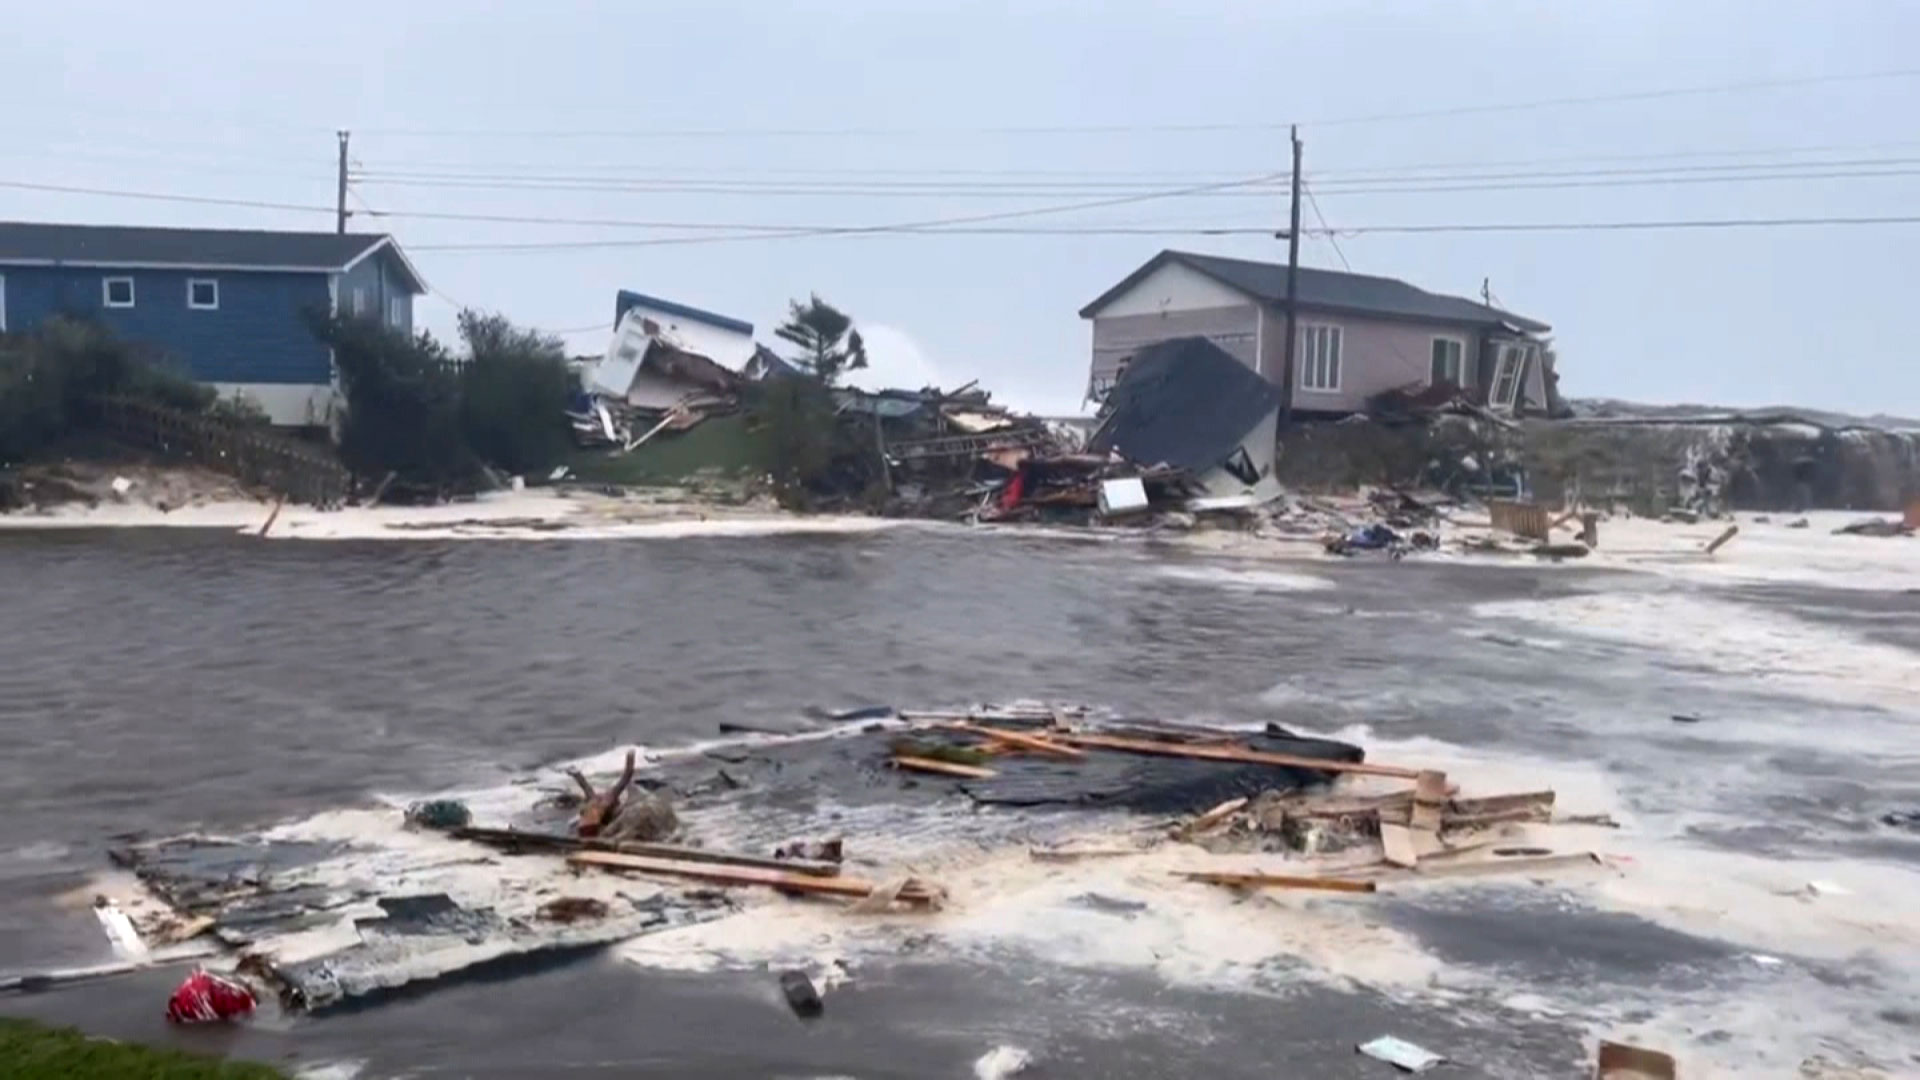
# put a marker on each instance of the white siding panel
(1173, 287)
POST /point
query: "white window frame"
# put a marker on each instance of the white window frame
(3, 303)
(1510, 367)
(106, 292)
(214, 283)
(1325, 367)
(1461, 378)
(393, 312)
(359, 298)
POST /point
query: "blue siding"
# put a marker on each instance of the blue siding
(258, 335)
(378, 282)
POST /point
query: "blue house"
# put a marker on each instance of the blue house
(228, 306)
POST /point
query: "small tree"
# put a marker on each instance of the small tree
(514, 392)
(825, 335)
(403, 404)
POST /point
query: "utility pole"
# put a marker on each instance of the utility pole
(1293, 289)
(1486, 291)
(340, 211)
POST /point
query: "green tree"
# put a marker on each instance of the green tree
(403, 405)
(826, 338)
(514, 391)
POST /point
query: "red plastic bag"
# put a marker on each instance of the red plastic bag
(205, 998)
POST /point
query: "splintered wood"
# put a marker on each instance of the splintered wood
(1019, 739)
(944, 768)
(1238, 880)
(910, 891)
(1248, 755)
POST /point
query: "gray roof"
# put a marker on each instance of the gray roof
(1327, 290)
(30, 243)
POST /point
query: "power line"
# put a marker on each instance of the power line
(1129, 129)
(160, 197)
(1322, 219)
(1251, 230)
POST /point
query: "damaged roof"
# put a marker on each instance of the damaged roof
(1184, 402)
(1330, 290)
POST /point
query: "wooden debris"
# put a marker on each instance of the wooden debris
(1237, 880)
(1209, 819)
(914, 892)
(1026, 742)
(1429, 799)
(1619, 1061)
(944, 768)
(1720, 541)
(1236, 753)
(512, 839)
(1517, 865)
(938, 751)
(1043, 854)
(801, 996)
(187, 931)
(1396, 841)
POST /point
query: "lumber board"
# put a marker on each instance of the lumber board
(1236, 753)
(1211, 818)
(1523, 864)
(1429, 798)
(1026, 742)
(719, 874)
(515, 838)
(944, 768)
(1233, 879)
(1397, 843)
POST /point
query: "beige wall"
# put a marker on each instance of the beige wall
(1375, 355)
(1115, 337)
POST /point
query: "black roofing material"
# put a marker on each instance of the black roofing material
(37, 242)
(1185, 402)
(1330, 290)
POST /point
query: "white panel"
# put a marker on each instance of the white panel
(1173, 287)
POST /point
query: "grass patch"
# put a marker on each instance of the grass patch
(720, 446)
(30, 1051)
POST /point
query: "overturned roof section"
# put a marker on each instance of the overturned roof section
(27, 243)
(625, 299)
(1185, 402)
(1329, 290)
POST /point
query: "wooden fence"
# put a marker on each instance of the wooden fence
(1519, 518)
(260, 458)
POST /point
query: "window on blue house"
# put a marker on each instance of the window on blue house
(116, 291)
(396, 312)
(203, 294)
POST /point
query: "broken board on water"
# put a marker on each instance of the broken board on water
(915, 892)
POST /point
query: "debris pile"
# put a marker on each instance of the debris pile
(648, 382)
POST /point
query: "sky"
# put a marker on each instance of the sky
(673, 147)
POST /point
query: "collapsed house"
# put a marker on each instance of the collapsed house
(1189, 405)
(659, 373)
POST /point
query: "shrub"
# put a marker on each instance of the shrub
(514, 391)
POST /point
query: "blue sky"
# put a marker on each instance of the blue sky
(865, 113)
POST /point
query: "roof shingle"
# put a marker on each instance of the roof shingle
(248, 249)
(1333, 289)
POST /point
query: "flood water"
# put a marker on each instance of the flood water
(170, 680)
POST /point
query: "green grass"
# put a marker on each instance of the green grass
(30, 1051)
(721, 446)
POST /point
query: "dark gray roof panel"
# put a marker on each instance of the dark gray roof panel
(1318, 288)
(36, 242)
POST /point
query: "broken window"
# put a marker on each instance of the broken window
(1319, 358)
(1449, 361)
(1240, 465)
(1510, 373)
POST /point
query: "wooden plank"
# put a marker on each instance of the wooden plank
(1620, 1061)
(1238, 880)
(557, 841)
(944, 768)
(1015, 738)
(1042, 854)
(1523, 864)
(1211, 818)
(914, 892)
(1540, 800)
(1397, 842)
(1236, 753)
(1429, 797)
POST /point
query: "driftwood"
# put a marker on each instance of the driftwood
(1237, 880)
(914, 892)
(944, 768)
(513, 839)
(601, 807)
(1236, 753)
(1019, 739)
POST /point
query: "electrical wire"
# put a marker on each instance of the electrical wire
(1328, 232)
(204, 200)
(1129, 129)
